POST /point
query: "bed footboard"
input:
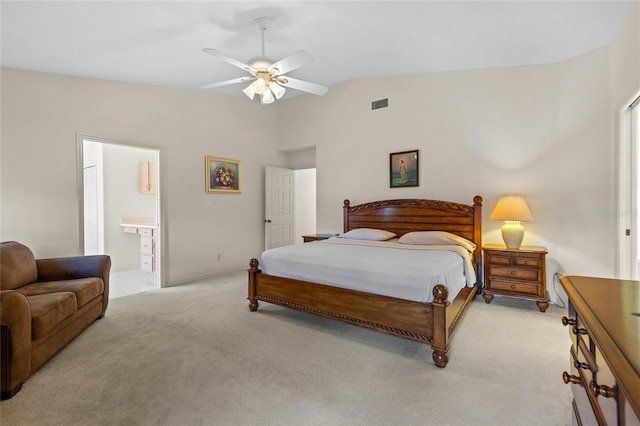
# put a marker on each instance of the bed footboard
(430, 323)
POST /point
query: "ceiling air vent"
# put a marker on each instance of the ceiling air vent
(380, 103)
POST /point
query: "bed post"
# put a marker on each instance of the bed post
(477, 226)
(253, 271)
(345, 216)
(440, 330)
(477, 239)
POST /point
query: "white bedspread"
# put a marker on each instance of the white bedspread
(382, 267)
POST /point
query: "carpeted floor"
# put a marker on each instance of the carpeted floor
(196, 355)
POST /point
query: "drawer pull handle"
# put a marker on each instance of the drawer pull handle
(513, 287)
(568, 321)
(577, 330)
(606, 391)
(568, 378)
(582, 365)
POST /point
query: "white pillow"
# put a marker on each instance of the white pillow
(368, 234)
(436, 238)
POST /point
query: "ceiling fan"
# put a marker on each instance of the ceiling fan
(267, 75)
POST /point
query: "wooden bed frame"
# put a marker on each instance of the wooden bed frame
(431, 323)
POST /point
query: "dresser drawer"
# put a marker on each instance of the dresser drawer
(515, 273)
(146, 232)
(578, 335)
(526, 260)
(630, 415)
(130, 229)
(146, 246)
(147, 263)
(591, 368)
(513, 287)
(604, 377)
(582, 404)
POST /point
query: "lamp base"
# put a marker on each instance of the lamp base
(512, 234)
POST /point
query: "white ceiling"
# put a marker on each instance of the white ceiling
(159, 42)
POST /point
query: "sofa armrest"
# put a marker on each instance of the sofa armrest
(70, 268)
(15, 321)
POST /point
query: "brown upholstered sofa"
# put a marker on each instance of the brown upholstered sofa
(44, 304)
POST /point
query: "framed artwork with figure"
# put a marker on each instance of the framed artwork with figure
(223, 175)
(403, 169)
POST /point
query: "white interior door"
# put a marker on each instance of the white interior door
(627, 215)
(90, 211)
(635, 196)
(279, 216)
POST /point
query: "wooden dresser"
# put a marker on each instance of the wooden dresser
(604, 325)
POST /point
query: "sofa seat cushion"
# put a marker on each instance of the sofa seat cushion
(49, 310)
(85, 289)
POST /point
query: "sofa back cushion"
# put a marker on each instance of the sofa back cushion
(17, 265)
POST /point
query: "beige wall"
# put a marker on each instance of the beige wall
(625, 58)
(41, 114)
(546, 132)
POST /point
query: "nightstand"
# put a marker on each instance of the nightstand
(517, 273)
(315, 237)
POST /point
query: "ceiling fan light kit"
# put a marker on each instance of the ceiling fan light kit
(267, 77)
(266, 86)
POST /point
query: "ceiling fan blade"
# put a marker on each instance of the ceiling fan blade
(227, 82)
(227, 59)
(291, 62)
(303, 86)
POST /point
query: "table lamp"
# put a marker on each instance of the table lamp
(512, 209)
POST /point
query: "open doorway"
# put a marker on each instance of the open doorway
(121, 212)
(628, 213)
(290, 199)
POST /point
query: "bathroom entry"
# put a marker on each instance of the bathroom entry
(121, 212)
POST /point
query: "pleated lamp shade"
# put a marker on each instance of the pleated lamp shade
(512, 209)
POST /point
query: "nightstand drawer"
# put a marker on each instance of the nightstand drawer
(512, 286)
(514, 273)
(520, 260)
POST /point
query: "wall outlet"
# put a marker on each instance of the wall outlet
(219, 256)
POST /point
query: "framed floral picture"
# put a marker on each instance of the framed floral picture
(403, 169)
(223, 175)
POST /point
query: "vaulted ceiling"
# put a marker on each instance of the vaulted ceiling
(159, 42)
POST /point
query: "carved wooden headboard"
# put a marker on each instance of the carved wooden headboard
(409, 215)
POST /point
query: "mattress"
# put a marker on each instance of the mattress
(386, 268)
